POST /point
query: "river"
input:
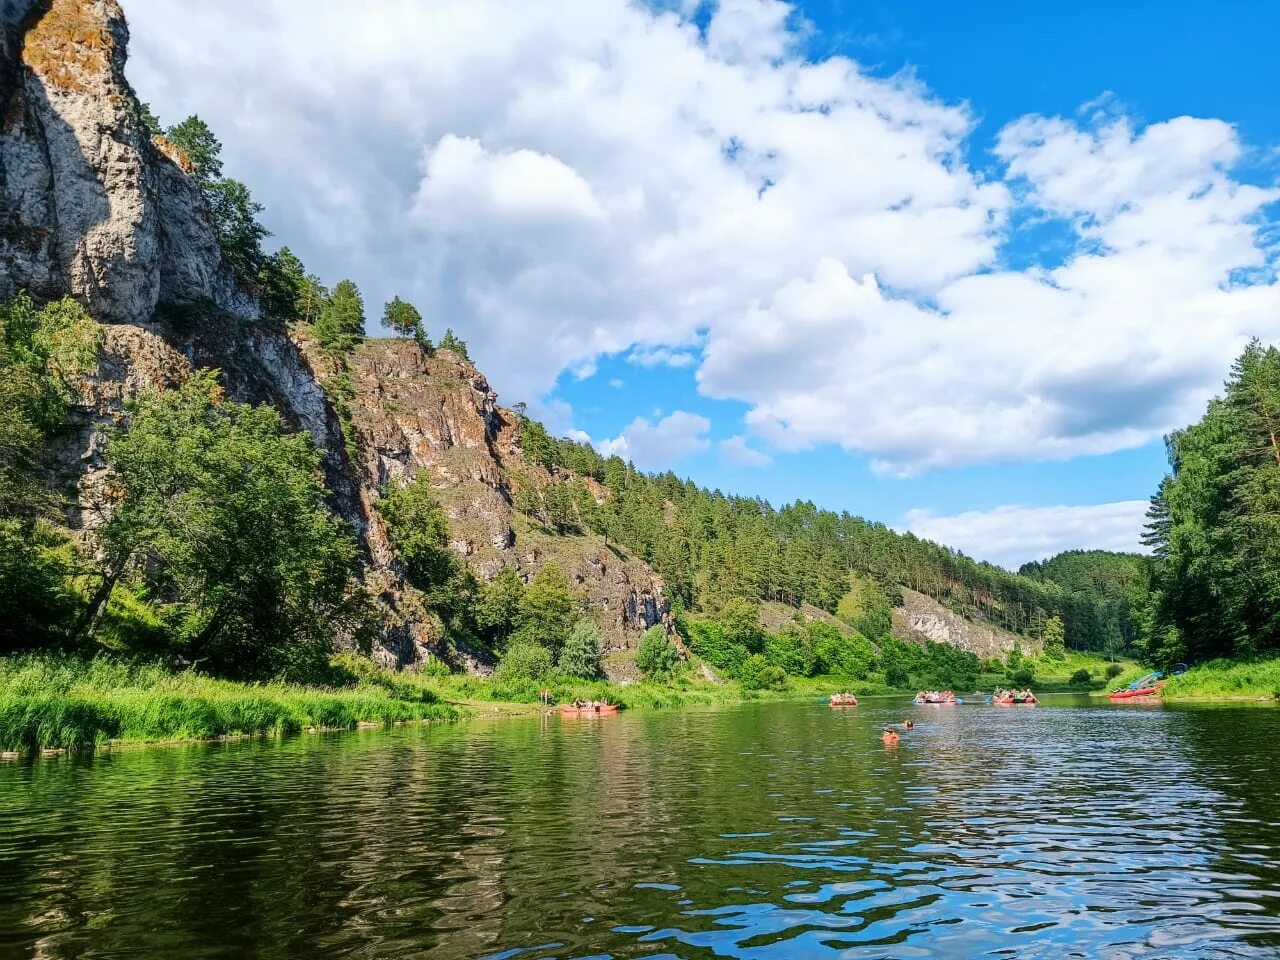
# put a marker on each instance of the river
(762, 831)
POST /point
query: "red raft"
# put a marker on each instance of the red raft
(1140, 692)
(843, 700)
(570, 710)
(1011, 702)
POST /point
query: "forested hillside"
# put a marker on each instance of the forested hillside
(1105, 595)
(710, 546)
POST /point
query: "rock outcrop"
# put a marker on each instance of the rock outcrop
(922, 618)
(89, 204)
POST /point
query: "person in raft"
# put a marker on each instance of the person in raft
(890, 736)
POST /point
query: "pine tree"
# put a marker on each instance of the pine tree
(403, 317)
(450, 341)
(341, 323)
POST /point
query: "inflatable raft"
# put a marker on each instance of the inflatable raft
(843, 700)
(569, 710)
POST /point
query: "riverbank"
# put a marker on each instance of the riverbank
(51, 703)
(1223, 680)
(55, 703)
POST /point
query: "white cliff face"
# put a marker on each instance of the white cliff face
(922, 618)
(88, 204)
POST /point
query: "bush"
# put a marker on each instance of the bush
(757, 673)
(1081, 677)
(1022, 677)
(895, 675)
(524, 661)
(709, 641)
(1114, 670)
(657, 657)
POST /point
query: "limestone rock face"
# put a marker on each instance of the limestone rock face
(88, 204)
(922, 618)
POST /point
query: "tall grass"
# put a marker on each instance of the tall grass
(686, 689)
(62, 702)
(1227, 680)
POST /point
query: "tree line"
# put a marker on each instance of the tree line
(1214, 525)
(710, 547)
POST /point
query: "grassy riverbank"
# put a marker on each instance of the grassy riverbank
(1227, 680)
(65, 703)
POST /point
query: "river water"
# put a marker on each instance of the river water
(762, 831)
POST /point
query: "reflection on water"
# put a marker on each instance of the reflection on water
(765, 831)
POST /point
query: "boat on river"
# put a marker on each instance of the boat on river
(1147, 686)
(843, 700)
(587, 709)
(1015, 701)
(936, 699)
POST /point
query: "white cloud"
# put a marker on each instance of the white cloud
(736, 451)
(1011, 536)
(660, 357)
(659, 445)
(563, 181)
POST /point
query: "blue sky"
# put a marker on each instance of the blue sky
(956, 267)
(1158, 60)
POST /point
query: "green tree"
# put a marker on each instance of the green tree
(741, 622)
(419, 533)
(581, 654)
(657, 657)
(403, 318)
(198, 144)
(525, 660)
(222, 515)
(546, 609)
(451, 341)
(1054, 646)
(757, 673)
(498, 611)
(235, 223)
(340, 325)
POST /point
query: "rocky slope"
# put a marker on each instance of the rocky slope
(921, 618)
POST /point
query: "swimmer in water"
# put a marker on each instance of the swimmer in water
(909, 725)
(890, 736)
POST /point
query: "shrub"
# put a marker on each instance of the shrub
(757, 673)
(709, 641)
(524, 661)
(657, 657)
(1022, 677)
(1114, 670)
(1081, 677)
(895, 675)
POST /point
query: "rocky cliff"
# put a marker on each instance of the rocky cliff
(921, 618)
(93, 205)
(90, 203)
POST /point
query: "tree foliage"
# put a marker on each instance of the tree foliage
(657, 657)
(581, 654)
(340, 325)
(1214, 524)
(419, 533)
(231, 205)
(403, 318)
(222, 517)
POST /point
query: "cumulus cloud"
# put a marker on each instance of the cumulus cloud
(659, 445)
(736, 451)
(1011, 536)
(564, 181)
